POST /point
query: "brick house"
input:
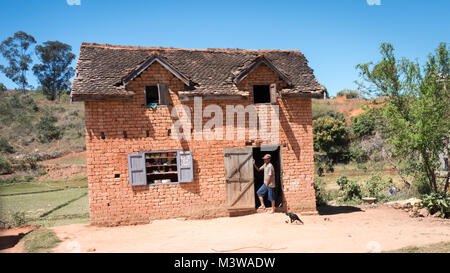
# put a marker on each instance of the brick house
(138, 172)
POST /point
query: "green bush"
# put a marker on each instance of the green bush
(323, 164)
(349, 190)
(357, 154)
(376, 185)
(437, 202)
(330, 135)
(47, 131)
(18, 219)
(421, 185)
(361, 166)
(365, 124)
(322, 196)
(5, 166)
(351, 94)
(5, 147)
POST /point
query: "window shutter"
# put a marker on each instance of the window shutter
(136, 169)
(273, 93)
(164, 97)
(185, 166)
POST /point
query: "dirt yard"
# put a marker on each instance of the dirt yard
(337, 229)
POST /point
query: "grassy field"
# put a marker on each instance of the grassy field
(40, 241)
(48, 203)
(359, 173)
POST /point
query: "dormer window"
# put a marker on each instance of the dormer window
(157, 95)
(264, 93)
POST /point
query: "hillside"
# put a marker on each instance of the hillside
(348, 107)
(32, 127)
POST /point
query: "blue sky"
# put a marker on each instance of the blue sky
(334, 35)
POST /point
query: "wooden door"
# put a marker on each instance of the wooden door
(239, 178)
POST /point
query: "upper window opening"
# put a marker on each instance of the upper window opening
(157, 95)
(261, 94)
(151, 95)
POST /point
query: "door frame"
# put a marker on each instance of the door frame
(280, 159)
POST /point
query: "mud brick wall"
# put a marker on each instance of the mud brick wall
(114, 202)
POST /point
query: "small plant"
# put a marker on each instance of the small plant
(357, 154)
(5, 166)
(47, 131)
(376, 184)
(349, 190)
(5, 147)
(361, 166)
(437, 202)
(322, 196)
(323, 164)
(18, 219)
(27, 178)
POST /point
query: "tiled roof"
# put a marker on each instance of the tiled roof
(102, 68)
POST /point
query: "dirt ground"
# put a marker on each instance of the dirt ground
(336, 229)
(10, 239)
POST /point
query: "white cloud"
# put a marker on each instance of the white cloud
(369, 2)
(73, 2)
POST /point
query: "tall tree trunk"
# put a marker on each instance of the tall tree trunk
(430, 172)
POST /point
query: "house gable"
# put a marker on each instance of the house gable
(255, 64)
(152, 59)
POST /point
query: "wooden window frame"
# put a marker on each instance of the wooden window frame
(153, 164)
(163, 94)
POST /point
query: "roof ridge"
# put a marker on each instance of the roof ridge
(109, 46)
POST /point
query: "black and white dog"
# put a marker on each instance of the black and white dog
(293, 217)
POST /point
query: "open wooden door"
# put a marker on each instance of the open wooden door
(239, 178)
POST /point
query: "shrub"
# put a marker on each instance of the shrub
(361, 166)
(322, 196)
(437, 202)
(5, 166)
(2, 87)
(350, 94)
(357, 153)
(421, 186)
(5, 147)
(47, 131)
(349, 190)
(376, 184)
(330, 135)
(18, 219)
(365, 124)
(323, 164)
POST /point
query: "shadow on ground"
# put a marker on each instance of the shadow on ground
(331, 210)
(10, 241)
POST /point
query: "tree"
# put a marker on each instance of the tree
(2, 87)
(54, 71)
(15, 51)
(330, 134)
(416, 113)
(365, 124)
(350, 94)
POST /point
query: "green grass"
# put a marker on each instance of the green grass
(354, 172)
(357, 172)
(41, 186)
(47, 203)
(40, 241)
(442, 247)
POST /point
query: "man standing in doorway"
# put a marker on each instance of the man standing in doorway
(268, 184)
